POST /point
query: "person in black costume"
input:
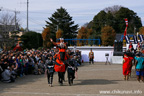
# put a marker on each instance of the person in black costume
(72, 67)
(50, 70)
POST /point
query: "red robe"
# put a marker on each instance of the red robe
(59, 66)
(127, 65)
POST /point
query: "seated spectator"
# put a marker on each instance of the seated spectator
(41, 65)
(1, 69)
(13, 72)
(7, 75)
(37, 70)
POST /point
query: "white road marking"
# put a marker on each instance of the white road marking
(54, 94)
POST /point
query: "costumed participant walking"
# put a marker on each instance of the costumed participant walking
(138, 47)
(139, 67)
(131, 47)
(126, 66)
(71, 69)
(91, 57)
(50, 70)
(59, 44)
(61, 59)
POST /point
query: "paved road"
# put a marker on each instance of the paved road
(93, 80)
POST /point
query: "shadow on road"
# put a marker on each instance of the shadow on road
(96, 82)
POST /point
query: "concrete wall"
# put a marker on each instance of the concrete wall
(99, 52)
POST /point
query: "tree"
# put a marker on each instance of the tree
(89, 33)
(62, 20)
(99, 21)
(82, 33)
(59, 33)
(113, 9)
(114, 16)
(133, 20)
(141, 31)
(46, 37)
(31, 40)
(108, 36)
(8, 23)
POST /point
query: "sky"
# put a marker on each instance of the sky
(81, 11)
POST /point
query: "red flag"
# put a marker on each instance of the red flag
(126, 21)
(125, 32)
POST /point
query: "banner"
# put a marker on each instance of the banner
(125, 32)
(127, 39)
(141, 38)
(135, 39)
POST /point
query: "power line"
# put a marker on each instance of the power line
(15, 12)
(32, 20)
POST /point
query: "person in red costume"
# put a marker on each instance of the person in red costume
(61, 59)
(127, 63)
(131, 47)
(59, 44)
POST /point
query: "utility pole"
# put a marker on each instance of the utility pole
(27, 16)
(16, 19)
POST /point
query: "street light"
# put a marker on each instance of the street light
(27, 16)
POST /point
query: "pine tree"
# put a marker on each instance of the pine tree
(62, 20)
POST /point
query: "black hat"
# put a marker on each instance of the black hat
(137, 54)
(50, 55)
(71, 53)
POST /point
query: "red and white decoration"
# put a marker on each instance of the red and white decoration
(125, 32)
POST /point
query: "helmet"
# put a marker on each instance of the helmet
(61, 38)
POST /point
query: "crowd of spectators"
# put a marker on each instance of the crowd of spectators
(15, 64)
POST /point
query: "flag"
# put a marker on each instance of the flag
(125, 32)
(126, 21)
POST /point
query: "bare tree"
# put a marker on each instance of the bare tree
(112, 9)
(8, 23)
